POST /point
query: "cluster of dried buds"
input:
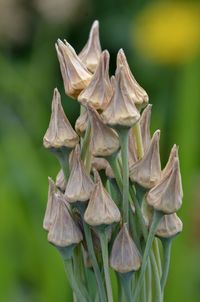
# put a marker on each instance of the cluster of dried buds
(111, 201)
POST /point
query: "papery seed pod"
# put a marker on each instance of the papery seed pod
(121, 110)
(147, 171)
(99, 163)
(82, 123)
(60, 181)
(170, 163)
(132, 157)
(51, 206)
(145, 127)
(101, 209)
(91, 52)
(63, 231)
(169, 226)
(74, 73)
(109, 172)
(79, 185)
(60, 132)
(135, 91)
(124, 256)
(104, 140)
(98, 93)
(147, 213)
(167, 195)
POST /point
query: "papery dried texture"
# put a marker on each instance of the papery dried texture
(63, 231)
(99, 163)
(79, 185)
(60, 132)
(145, 121)
(170, 163)
(167, 195)
(169, 226)
(132, 157)
(104, 140)
(137, 94)
(74, 73)
(109, 172)
(51, 205)
(147, 213)
(60, 181)
(101, 209)
(99, 92)
(147, 171)
(121, 110)
(82, 123)
(91, 52)
(124, 256)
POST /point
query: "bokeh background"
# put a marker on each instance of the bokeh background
(162, 43)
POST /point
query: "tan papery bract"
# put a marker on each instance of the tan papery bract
(170, 163)
(145, 121)
(60, 181)
(82, 123)
(51, 205)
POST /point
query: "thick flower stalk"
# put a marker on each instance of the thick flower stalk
(111, 202)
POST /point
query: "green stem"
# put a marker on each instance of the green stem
(88, 237)
(119, 288)
(126, 285)
(86, 141)
(104, 249)
(149, 282)
(156, 219)
(123, 137)
(167, 245)
(138, 137)
(63, 158)
(70, 274)
(157, 255)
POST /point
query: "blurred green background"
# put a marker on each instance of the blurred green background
(162, 42)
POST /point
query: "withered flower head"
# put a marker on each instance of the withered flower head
(132, 157)
(104, 140)
(60, 181)
(121, 110)
(59, 133)
(109, 172)
(63, 231)
(51, 206)
(124, 256)
(169, 226)
(98, 93)
(79, 185)
(137, 94)
(74, 73)
(82, 123)
(145, 127)
(99, 163)
(167, 195)
(101, 209)
(170, 163)
(91, 52)
(147, 171)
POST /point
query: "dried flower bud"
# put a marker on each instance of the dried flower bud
(79, 185)
(169, 226)
(51, 206)
(109, 172)
(124, 256)
(147, 212)
(167, 195)
(132, 158)
(147, 171)
(60, 181)
(137, 94)
(121, 110)
(63, 231)
(98, 93)
(59, 133)
(170, 163)
(145, 127)
(104, 140)
(99, 163)
(101, 209)
(82, 123)
(91, 52)
(74, 73)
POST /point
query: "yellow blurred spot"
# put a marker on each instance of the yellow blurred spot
(168, 32)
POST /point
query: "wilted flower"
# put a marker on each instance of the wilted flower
(169, 226)
(167, 195)
(59, 133)
(99, 163)
(79, 185)
(51, 206)
(63, 231)
(74, 73)
(132, 155)
(91, 52)
(124, 256)
(169, 166)
(98, 93)
(82, 123)
(104, 140)
(147, 171)
(145, 127)
(101, 209)
(121, 110)
(60, 181)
